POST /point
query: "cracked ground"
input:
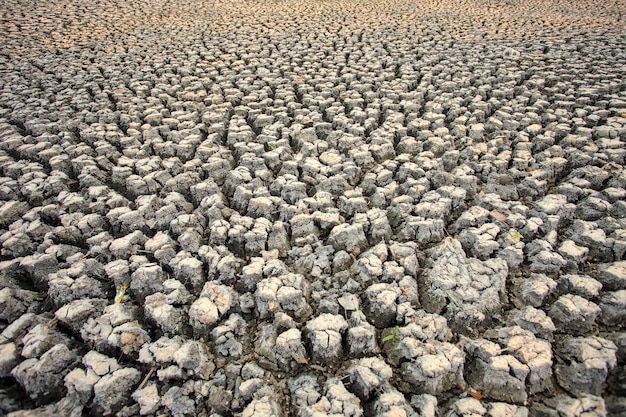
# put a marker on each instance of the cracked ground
(313, 208)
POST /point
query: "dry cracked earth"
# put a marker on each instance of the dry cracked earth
(313, 208)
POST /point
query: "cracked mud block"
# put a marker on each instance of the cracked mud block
(337, 400)
(304, 389)
(498, 376)
(98, 331)
(169, 318)
(467, 407)
(148, 399)
(583, 364)
(583, 405)
(9, 358)
(312, 176)
(325, 338)
(214, 302)
(612, 276)
(380, 305)
(42, 378)
(177, 401)
(389, 403)
(533, 290)
(288, 293)
(40, 338)
(266, 406)
(16, 331)
(80, 382)
(480, 242)
(290, 350)
(534, 353)
(128, 337)
(544, 260)
(613, 306)
(75, 314)
(188, 270)
(465, 289)
(425, 404)
(534, 320)
(231, 336)
(194, 359)
(573, 254)
(113, 390)
(369, 266)
(15, 301)
(368, 375)
(176, 358)
(348, 237)
(146, 280)
(39, 267)
(80, 281)
(572, 313)
(427, 366)
(582, 285)
(361, 336)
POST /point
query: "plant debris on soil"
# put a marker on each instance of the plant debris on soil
(313, 208)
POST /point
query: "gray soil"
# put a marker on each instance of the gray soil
(313, 208)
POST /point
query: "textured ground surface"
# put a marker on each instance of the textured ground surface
(312, 208)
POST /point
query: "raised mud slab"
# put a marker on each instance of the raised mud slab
(312, 208)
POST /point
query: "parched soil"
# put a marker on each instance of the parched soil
(312, 208)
